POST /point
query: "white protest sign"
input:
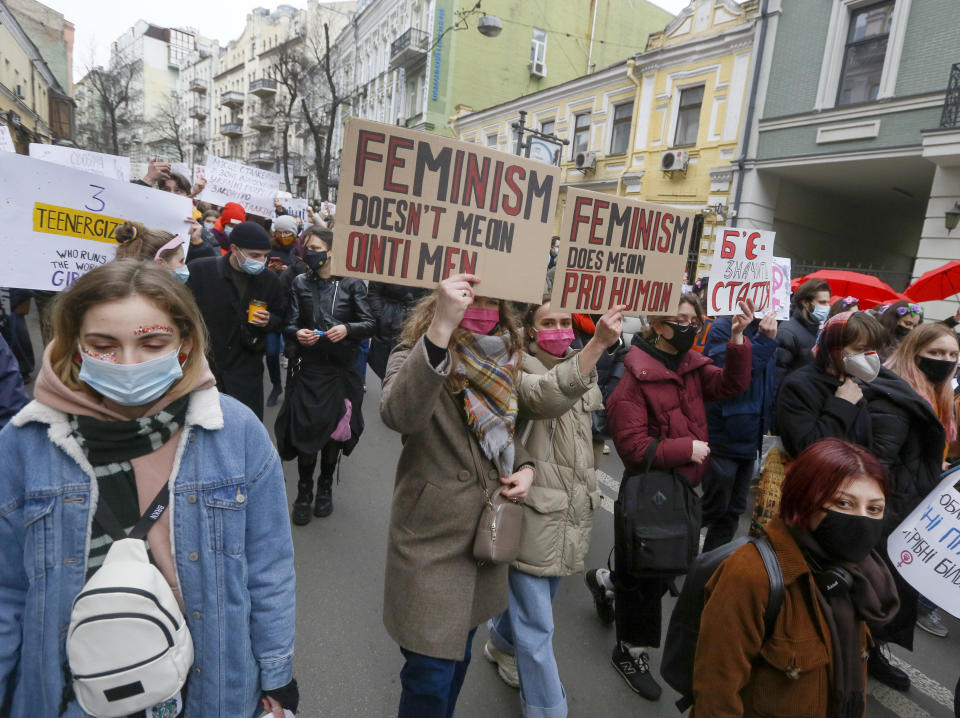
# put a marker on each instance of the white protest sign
(780, 287)
(199, 173)
(740, 271)
(180, 168)
(296, 207)
(6, 140)
(58, 222)
(925, 548)
(250, 187)
(112, 166)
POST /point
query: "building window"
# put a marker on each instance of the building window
(538, 52)
(581, 133)
(864, 53)
(493, 140)
(688, 116)
(620, 134)
(547, 127)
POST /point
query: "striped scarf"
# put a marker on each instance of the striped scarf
(109, 446)
(490, 396)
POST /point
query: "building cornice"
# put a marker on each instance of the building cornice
(868, 109)
(229, 71)
(700, 48)
(814, 158)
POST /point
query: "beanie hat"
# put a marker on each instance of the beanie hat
(250, 235)
(232, 214)
(285, 223)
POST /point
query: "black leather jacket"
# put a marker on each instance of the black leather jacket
(317, 303)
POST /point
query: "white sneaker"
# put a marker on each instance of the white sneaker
(606, 449)
(506, 664)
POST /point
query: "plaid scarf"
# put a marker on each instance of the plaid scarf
(109, 446)
(490, 396)
(829, 348)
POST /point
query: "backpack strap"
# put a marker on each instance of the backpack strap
(777, 589)
(109, 523)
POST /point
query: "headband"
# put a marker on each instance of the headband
(172, 244)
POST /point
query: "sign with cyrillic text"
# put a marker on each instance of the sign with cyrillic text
(925, 548)
(740, 271)
(780, 287)
(58, 222)
(615, 250)
(6, 140)
(112, 166)
(250, 187)
(415, 208)
(297, 208)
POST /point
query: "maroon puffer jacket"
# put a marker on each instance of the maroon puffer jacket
(652, 402)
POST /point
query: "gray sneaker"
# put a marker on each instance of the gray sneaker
(932, 623)
(505, 663)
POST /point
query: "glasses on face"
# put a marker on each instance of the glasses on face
(685, 322)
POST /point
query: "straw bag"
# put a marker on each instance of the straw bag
(767, 504)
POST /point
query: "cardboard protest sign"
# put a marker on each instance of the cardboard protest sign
(418, 208)
(58, 222)
(740, 271)
(250, 187)
(780, 287)
(615, 250)
(111, 166)
(925, 548)
(6, 140)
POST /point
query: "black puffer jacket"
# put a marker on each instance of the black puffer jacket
(908, 439)
(809, 410)
(795, 340)
(390, 304)
(317, 303)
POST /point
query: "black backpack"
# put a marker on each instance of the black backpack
(680, 646)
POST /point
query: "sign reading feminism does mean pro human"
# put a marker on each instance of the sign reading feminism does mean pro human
(615, 250)
(58, 222)
(415, 208)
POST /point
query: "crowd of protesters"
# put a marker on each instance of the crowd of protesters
(152, 380)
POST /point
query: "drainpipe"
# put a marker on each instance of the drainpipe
(631, 65)
(751, 111)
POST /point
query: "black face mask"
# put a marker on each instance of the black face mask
(936, 370)
(314, 260)
(900, 331)
(846, 537)
(683, 337)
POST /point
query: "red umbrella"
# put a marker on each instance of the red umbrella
(843, 283)
(938, 283)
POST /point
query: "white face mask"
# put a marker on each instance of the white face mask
(863, 366)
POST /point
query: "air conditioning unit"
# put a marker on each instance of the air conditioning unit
(538, 69)
(585, 160)
(674, 160)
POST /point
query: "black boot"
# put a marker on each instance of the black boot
(880, 668)
(301, 507)
(324, 505)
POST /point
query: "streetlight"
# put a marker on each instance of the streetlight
(520, 127)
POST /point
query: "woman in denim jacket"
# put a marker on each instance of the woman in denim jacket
(128, 354)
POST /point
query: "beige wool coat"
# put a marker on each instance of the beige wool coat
(558, 511)
(435, 593)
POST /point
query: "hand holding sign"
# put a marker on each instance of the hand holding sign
(768, 325)
(741, 321)
(741, 271)
(454, 295)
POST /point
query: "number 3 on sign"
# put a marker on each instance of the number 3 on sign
(96, 196)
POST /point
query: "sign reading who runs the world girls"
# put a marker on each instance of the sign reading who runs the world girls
(58, 222)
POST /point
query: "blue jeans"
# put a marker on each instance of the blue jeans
(274, 342)
(525, 630)
(431, 686)
(362, 359)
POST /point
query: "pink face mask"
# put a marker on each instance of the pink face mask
(479, 320)
(555, 341)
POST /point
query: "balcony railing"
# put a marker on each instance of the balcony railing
(263, 88)
(231, 129)
(263, 157)
(409, 48)
(951, 105)
(232, 98)
(198, 87)
(198, 111)
(262, 121)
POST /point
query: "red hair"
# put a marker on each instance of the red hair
(820, 470)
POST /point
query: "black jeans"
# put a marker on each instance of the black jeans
(725, 488)
(638, 607)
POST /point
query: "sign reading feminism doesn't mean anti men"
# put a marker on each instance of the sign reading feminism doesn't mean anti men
(416, 208)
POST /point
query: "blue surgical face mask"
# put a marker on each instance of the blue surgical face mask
(227, 230)
(131, 384)
(251, 266)
(820, 312)
(183, 273)
(209, 225)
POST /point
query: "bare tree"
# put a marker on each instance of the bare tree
(167, 130)
(320, 119)
(115, 95)
(290, 71)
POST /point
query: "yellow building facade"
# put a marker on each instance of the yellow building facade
(663, 126)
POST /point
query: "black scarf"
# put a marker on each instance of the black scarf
(109, 446)
(872, 598)
(671, 361)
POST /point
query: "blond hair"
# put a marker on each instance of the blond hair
(118, 280)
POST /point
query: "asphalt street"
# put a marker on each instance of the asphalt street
(347, 665)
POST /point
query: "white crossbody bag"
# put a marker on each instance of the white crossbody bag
(128, 646)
